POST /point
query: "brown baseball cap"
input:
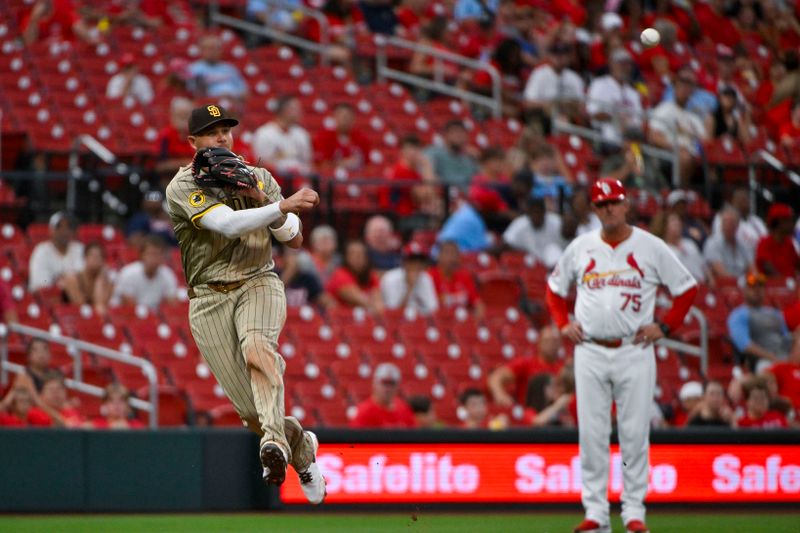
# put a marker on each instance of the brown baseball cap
(207, 116)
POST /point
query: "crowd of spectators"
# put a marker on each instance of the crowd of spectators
(723, 71)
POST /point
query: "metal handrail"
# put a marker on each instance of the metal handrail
(76, 172)
(684, 347)
(495, 102)
(756, 186)
(74, 349)
(286, 38)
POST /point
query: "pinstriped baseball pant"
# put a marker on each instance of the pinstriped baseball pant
(237, 334)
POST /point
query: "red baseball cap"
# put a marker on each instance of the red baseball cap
(606, 189)
(778, 211)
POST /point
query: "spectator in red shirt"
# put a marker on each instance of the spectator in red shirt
(789, 132)
(56, 19)
(508, 384)
(758, 414)
(345, 23)
(690, 397)
(384, 409)
(414, 170)
(776, 254)
(455, 285)
(475, 409)
(17, 410)
(54, 401)
(116, 410)
(434, 34)
(355, 284)
(171, 147)
(341, 147)
(787, 376)
(412, 14)
(716, 26)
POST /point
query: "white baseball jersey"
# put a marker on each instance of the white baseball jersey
(616, 286)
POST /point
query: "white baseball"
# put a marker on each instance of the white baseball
(650, 37)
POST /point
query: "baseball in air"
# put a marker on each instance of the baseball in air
(650, 37)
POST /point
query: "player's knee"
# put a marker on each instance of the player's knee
(261, 357)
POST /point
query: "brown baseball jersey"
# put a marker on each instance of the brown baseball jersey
(209, 256)
(237, 330)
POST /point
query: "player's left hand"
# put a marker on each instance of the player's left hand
(648, 334)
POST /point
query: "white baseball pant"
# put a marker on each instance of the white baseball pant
(626, 375)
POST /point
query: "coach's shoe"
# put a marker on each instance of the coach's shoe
(590, 526)
(636, 526)
(311, 480)
(273, 459)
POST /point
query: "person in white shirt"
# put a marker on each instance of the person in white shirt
(751, 227)
(537, 232)
(61, 254)
(685, 248)
(283, 144)
(409, 286)
(130, 82)
(673, 125)
(724, 253)
(149, 281)
(612, 102)
(553, 82)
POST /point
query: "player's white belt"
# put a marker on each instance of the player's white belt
(611, 343)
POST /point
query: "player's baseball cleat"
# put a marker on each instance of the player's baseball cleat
(636, 526)
(311, 480)
(273, 459)
(590, 526)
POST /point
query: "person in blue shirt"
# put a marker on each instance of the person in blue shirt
(758, 331)
(472, 9)
(215, 78)
(465, 227)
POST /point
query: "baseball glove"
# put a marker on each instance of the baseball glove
(219, 167)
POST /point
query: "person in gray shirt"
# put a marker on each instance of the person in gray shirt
(451, 161)
(726, 255)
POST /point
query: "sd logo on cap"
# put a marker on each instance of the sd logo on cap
(204, 117)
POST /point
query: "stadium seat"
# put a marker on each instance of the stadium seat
(499, 290)
(173, 409)
(225, 416)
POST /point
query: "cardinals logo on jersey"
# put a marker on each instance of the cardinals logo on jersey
(634, 265)
(612, 278)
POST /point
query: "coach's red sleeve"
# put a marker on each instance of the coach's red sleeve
(680, 306)
(558, 308)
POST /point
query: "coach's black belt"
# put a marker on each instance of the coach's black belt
(608, 343)
(218, 287)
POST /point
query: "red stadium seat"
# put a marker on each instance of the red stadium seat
(225, 416)
(173, 409)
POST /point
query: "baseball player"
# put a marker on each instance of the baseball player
(225, 214)
(617, 270)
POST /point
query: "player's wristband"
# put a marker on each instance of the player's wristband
(288, 230)
(664, 328)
